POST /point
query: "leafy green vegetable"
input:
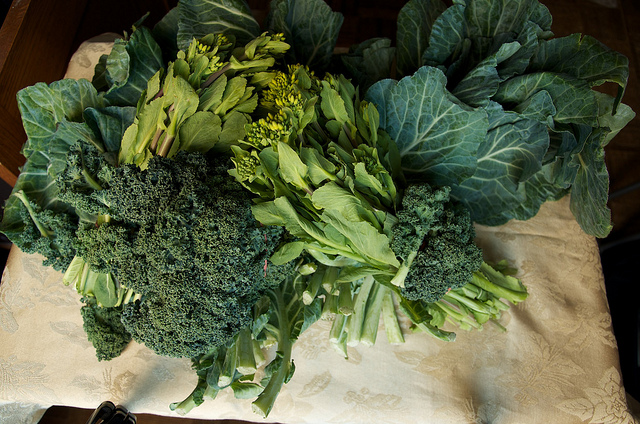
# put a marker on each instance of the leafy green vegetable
(415, 21)
(500, 60)
(310, 26)
(437, 136)
(345, 206)
(104, 329)
(130, 64)
(370, 61)
(198, 18)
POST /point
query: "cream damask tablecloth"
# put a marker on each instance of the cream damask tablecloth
(557, 362)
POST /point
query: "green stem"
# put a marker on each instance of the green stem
(264, 403)
(390, 319)
(372, 315)
(44, 231)
(356, 320)
(345, 300)
(215, 76)
(154, 141)
(246, 360)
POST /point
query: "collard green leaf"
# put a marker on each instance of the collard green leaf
(543, 186)
(130, 65)
(51, 115)
(110, 123)
(512, 152)
(437, 137)
(469, 32)
(166, 33)
(487, 18)
(590, 189)
(613, 121)
(574, 100)
(447, 35)
(43, 107)
(310, 26)
(584, 58)
(198, 18)
(479, 85)
(415, 20)
(370, 61)
(117, 64)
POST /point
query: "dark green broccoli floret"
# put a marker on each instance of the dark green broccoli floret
(104, 329)
(183, 236)
(434, 238)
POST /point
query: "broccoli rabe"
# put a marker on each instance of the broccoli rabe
(434, 237)
(104, 329)
(182, 235)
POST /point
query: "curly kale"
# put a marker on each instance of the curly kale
(434, 237)
(182, 235)
(47, 232)
(104, 329)
(85, 174)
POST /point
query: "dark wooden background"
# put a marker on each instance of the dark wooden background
(614, 22)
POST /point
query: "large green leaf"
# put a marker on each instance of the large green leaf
(469, 32)
(43, 107)
(370, 62)
(310, 26)
(489, 18)
(574, 100)
(590, 190)
(613, 120)
(415, 20)
(584, 58)
(110, 124)
(438, 137)
(448, 34)
(512, 152)
(479, 85)
(130, 65)
(198, 18)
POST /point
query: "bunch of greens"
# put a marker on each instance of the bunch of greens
(508, 116)
(211, 197)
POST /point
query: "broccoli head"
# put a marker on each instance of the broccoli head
(104, 329)
(182, 235)
(434, 238)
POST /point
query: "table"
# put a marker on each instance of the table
(556, 363)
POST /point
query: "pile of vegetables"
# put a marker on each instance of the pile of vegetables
(219, 187)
